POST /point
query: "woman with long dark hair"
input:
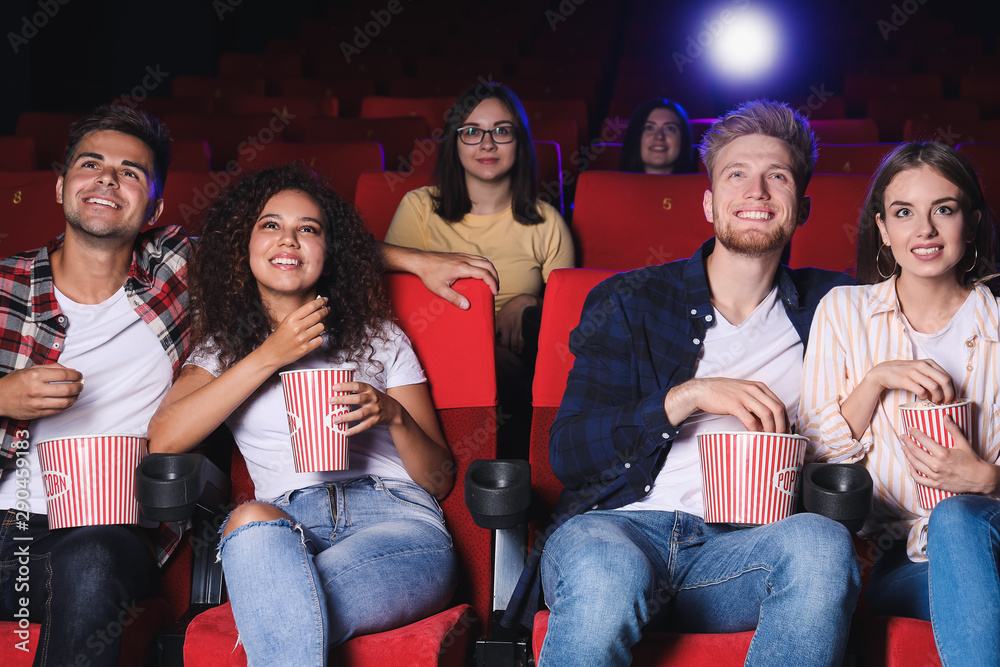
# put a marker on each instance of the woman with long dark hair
(285, 277)
(921, 325)
(658, 139)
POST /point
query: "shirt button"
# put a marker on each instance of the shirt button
(628, 465)
(968, 368)
(665, 436)
(969, 343)
(694, 311)
(708, 318)
(594, 507)
(647, 488)
(696, 341)
(55, 346)
(61, 319)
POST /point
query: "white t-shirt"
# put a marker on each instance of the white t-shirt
(765, 348)
(947, 347)
(126, 375)
(260, 425)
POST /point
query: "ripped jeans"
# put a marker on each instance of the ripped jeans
(363, 556)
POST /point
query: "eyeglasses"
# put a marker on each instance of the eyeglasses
(473, 136)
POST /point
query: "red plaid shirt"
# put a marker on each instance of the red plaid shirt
(33, 328)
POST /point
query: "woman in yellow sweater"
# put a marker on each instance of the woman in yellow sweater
(485, 202)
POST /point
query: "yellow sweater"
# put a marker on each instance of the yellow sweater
(523, 255)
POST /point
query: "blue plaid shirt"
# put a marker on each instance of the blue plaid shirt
(640, 334)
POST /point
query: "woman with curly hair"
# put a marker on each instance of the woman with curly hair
(285, 277)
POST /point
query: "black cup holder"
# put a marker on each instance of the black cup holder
(842, 492)
(167, 486)
(498, 492)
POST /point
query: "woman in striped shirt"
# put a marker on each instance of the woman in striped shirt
(919, 326)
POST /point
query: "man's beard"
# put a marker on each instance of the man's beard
(752, 242)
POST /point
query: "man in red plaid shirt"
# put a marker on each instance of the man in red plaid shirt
(102, 304)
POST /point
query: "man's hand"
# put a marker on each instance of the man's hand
(39, 391)
(508, 322)
(756, 406)
(440, 270)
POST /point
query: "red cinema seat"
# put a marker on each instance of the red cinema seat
(891, 113)
(436, 87)
(229, 136)
(158, 107)
(829, 238)
(298, 110)
(28, 210)
(546, 109)
(50, 132)
(218, 87)
(984, 90)
(433, 109)
(602, 157)
(563, 132)
(952, 131)
(397, 135)
(341, 162)
(456, 350)
(856, 159)
(17, 154)
(860, 88)
(624, 221)
(985, 158)
(188, 194)
(379, 193)
(190, 155)
(542, 87)
(565, 294)
(845, 131)
(468, 68)
(348, 92)
(272, 67)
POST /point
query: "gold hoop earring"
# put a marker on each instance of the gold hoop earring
(975, 259)
(878, 263)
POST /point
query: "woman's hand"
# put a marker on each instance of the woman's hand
(508, 321)
(958, 469)
(299, 333)
(922, 377)
(374, 408)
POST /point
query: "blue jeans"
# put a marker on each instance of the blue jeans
(957, 588)
(607, 574)
(361, 556)
(84, 585)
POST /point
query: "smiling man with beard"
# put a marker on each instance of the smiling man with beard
(712, 343)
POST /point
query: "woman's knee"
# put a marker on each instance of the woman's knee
(252, 512)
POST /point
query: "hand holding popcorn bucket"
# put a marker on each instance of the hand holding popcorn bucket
(750, 478)
(930, 418)
(90, 480)
(318, 444)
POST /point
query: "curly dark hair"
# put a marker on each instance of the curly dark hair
(229, 317)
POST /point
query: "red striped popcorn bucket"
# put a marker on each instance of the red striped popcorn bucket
(750, 478)
(90, 480)
(929, 418)
(317, 443)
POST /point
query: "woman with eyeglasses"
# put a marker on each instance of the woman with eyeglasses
(658, 139)
(485, 202)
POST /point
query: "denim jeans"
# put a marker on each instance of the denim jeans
(361, 556)
(83, 586)
(957, 588)
(607, 574)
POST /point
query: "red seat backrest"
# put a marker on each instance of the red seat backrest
(433, 109)
(379, 193)
(565, 293)
(190, 155)
(17, 154)
(624, 221)
(28, 210)
(218, 87)
(396, 135)
(50, 132)
(341, 162)
(862, 159)
(230, 137)
(845, 131)
(188, 194)
(829, 238)
(985, 158)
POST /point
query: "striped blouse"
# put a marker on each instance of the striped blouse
(856, 328)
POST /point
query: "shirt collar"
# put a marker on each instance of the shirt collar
(699, 298)
(884, 300)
